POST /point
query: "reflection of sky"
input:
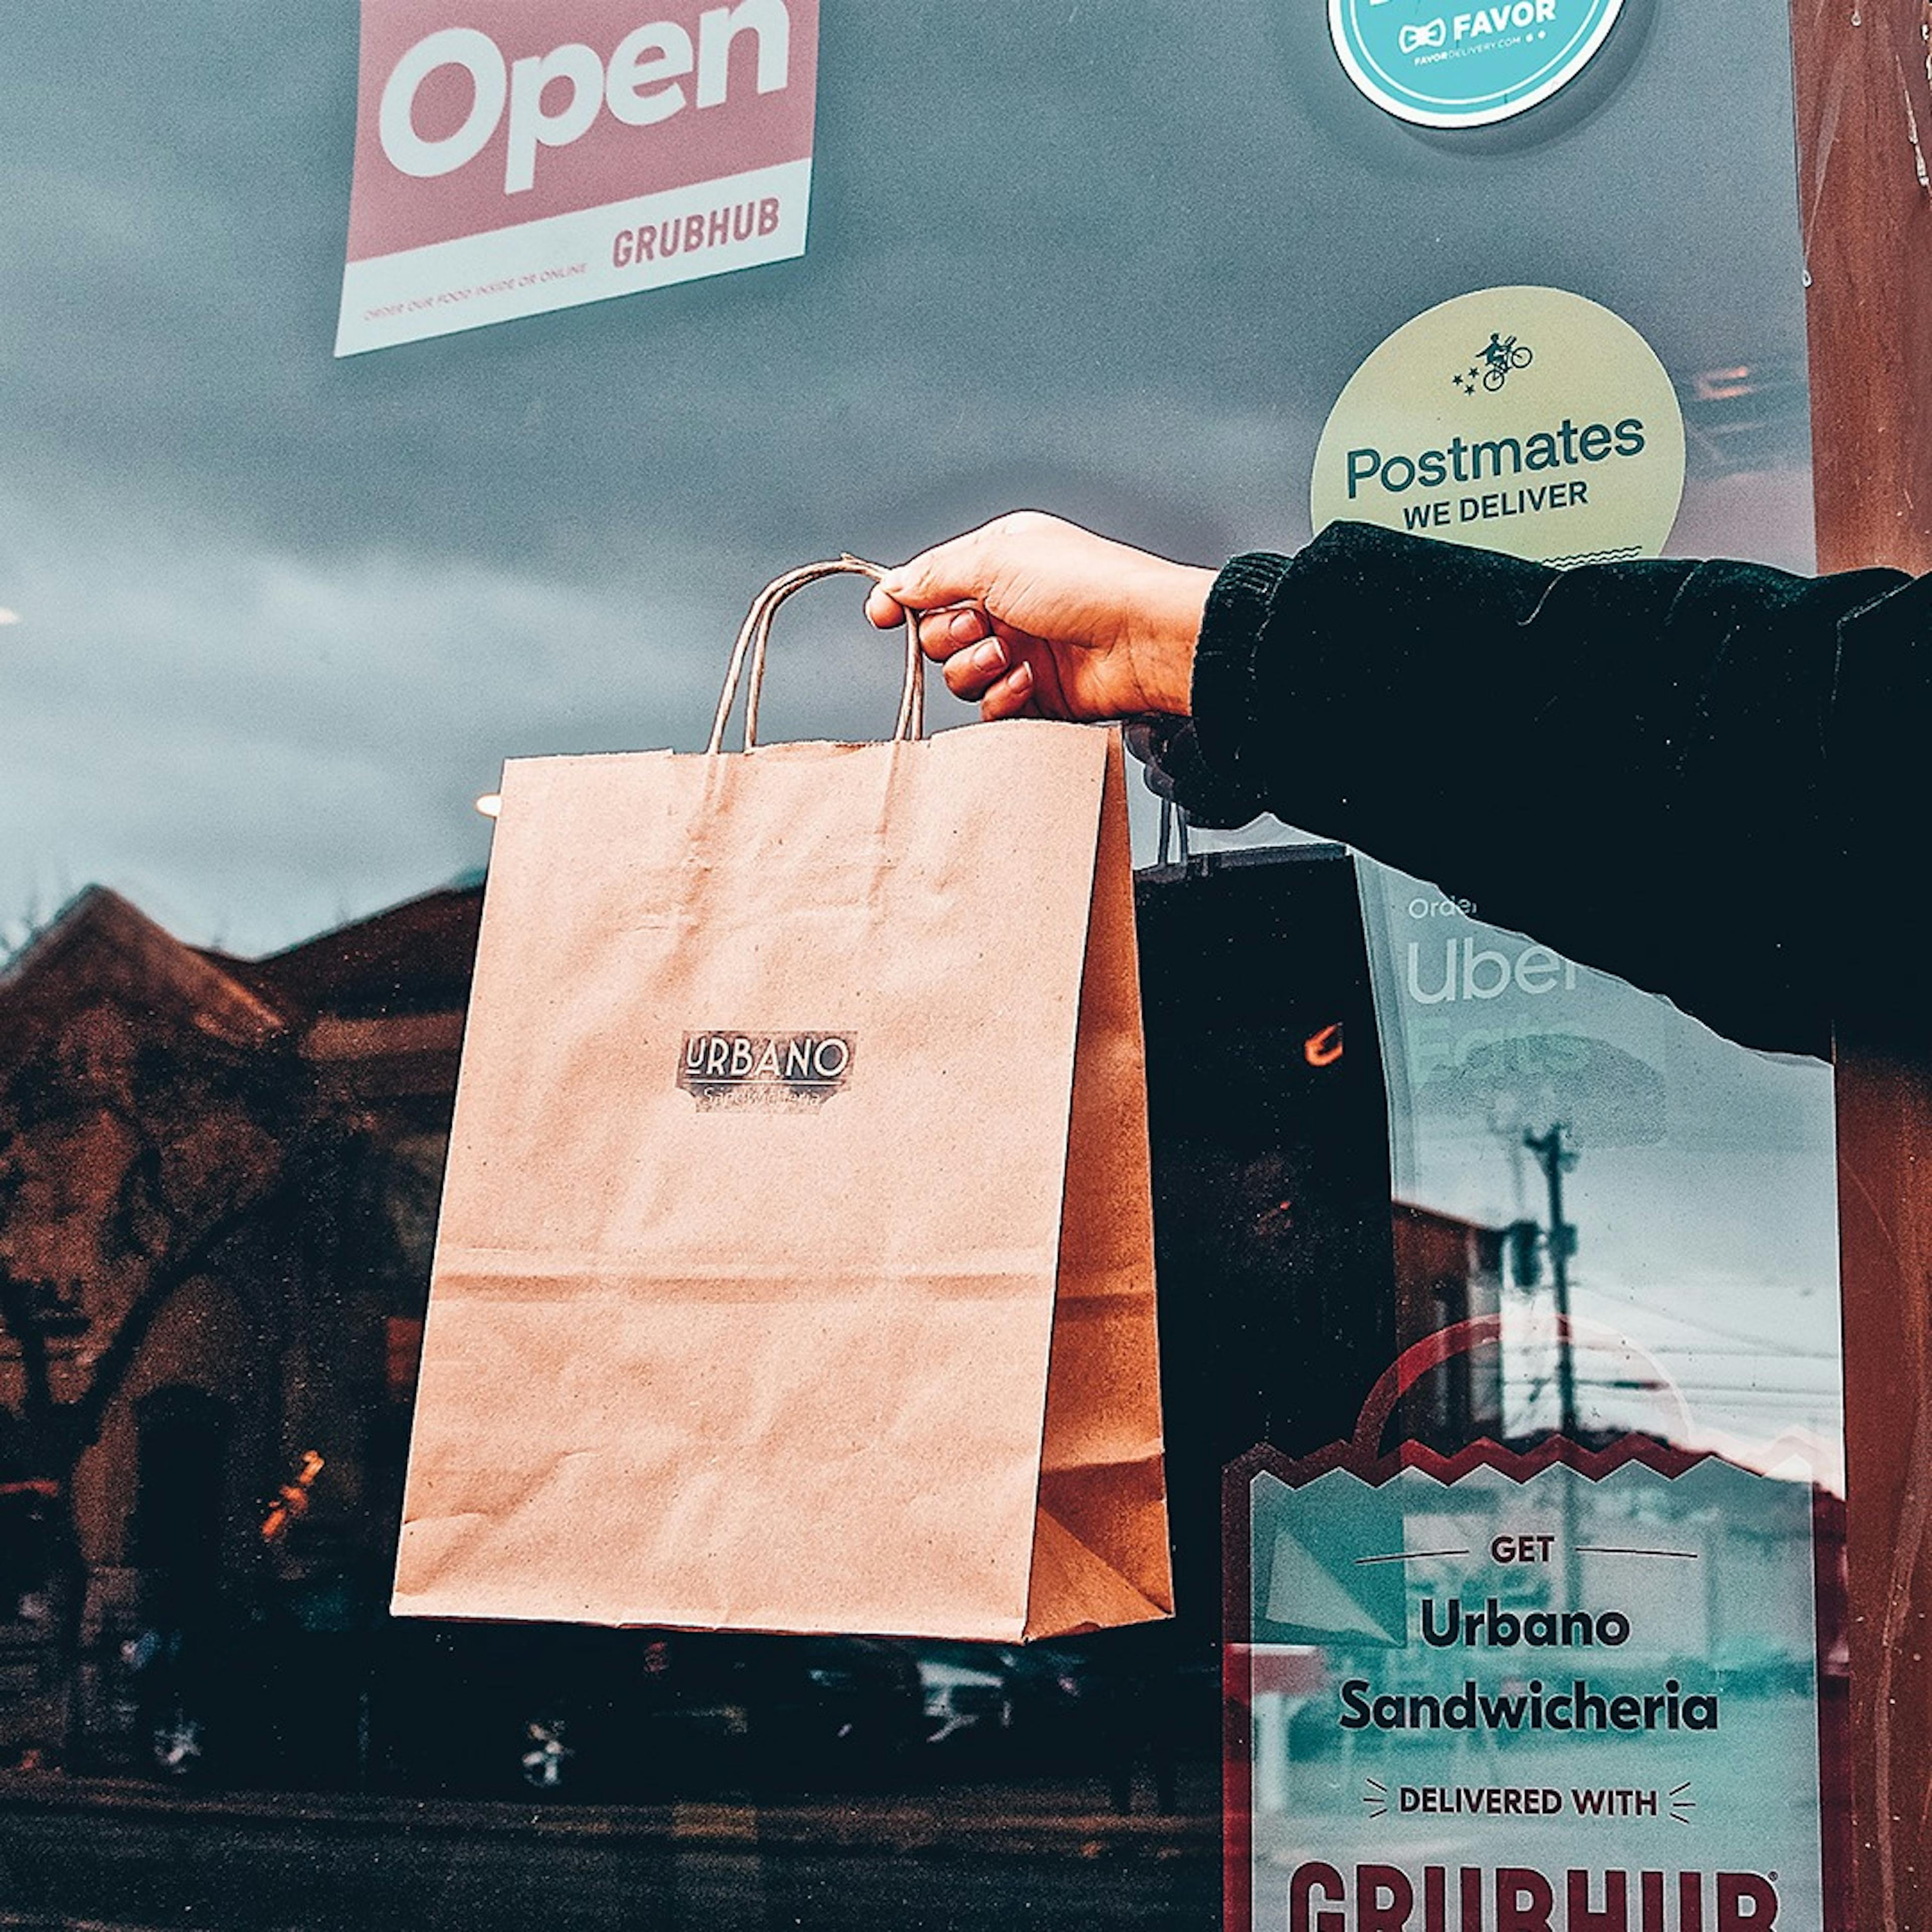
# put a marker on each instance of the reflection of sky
(1702, 1194)
(284, 616)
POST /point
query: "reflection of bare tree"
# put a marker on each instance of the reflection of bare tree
(218, 1182)
(1511, 1086)
(130, 1165)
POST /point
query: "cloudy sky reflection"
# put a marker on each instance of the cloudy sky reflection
(282, 616)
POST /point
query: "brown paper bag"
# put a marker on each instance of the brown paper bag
(795, 1267)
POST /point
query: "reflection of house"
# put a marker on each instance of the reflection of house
(1448, 1271)
(217, 1189)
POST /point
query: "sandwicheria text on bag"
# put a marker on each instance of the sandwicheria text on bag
(764, 1068)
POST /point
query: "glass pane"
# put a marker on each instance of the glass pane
(270, 622)
(1559, 1625)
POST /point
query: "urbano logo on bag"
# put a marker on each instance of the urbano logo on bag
(766, 1070)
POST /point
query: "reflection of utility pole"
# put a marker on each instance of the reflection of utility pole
(1556, 1160)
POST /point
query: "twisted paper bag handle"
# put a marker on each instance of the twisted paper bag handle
(755, 638)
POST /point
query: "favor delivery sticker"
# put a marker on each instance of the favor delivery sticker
(1453, 63)
(1526, 420)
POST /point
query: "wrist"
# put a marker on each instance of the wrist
(1171, 613)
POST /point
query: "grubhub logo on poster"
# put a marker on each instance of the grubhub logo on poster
(512, 160)
(1528, 420)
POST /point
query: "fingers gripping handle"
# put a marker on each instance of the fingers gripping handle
(755, 638)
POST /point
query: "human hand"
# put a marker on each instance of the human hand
(1033, 617)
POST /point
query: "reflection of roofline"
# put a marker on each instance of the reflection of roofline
(419, 944)
(99, 937)
(462, 890)
(1410, 1210)
(411, 959)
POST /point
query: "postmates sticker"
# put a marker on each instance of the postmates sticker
(1527, 420)
(512, 159)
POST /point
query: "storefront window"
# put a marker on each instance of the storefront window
(271, 620)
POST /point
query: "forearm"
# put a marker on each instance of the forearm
(1626, 759)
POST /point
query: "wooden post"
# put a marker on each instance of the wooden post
(1865, 129)
(1885, 1166)
(1864, 176)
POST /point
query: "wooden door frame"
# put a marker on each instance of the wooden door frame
(1864, 97)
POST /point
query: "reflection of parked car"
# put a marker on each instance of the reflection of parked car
(823, 1709)
(1079, 1705)
(482, 1709)
(965, 1689)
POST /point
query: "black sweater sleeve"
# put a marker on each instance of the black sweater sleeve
(1659, 768)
